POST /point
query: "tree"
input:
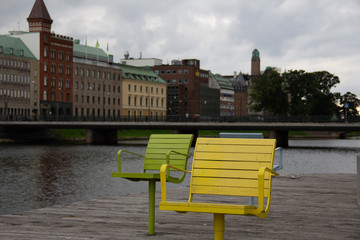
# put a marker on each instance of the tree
(295, 92)
(352, 102)
(267, 93)
(310, 93)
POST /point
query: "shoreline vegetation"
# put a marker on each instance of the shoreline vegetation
(80, 134)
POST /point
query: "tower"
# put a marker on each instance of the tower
(39, 19)
(255, 63)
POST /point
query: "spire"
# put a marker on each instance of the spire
(39, 11)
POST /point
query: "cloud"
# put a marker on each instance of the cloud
(312, 35)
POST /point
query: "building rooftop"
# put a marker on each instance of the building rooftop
(87, 52)
(15, 47)
(140, 73)
(223, 82)
(39, 11)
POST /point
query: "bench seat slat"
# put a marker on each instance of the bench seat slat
(227, 141)
(229, 148)
(233, 156)
(166, 146)
(229, 191)
(228, 182)
(230, 165)
(216, 173)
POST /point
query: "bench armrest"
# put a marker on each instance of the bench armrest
(261, 213)
(164, 173)
(175, 180)
(119, 160)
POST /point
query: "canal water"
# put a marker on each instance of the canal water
(36, 176)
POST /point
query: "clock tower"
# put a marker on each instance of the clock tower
(255, 63)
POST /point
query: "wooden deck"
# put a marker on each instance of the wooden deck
(309, 207)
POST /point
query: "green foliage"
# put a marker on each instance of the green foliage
(297, 92)
(353, 102)
(70, 133)
(268, 93)
(310, 93)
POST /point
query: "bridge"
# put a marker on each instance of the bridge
(106, 131)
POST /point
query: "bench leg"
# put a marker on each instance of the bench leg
(152, 187)
(219, 226)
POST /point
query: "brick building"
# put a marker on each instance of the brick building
(55, 55)
(185, 79)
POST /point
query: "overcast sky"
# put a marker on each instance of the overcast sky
(312, 35)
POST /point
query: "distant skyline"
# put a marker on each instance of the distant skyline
(312, 35)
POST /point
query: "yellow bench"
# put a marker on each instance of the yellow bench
(226, 167)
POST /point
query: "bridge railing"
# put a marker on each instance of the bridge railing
(248, 118)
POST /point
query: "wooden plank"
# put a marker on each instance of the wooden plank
(315, 206)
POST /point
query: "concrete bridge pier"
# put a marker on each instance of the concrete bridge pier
(282, 138)
(95, 136)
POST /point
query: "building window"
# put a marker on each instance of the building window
(45, 52)
(52, 97)
(129, 87)
(1, 49)
(68, 55)
(21, 52)
(45, 81)
(60, 55)
(53, 82)
(129, 101)
(45, 66)
(45, 95)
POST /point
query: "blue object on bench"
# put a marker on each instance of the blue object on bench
(276, 167)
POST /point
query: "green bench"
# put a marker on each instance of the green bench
(226, 167)
(161, 149)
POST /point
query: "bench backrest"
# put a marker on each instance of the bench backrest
(229, 166)
(160, 144)
(241, 135)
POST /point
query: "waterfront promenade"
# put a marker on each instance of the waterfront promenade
(314, 206)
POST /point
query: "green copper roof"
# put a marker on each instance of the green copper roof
(85, 51)
(14, 47)
(140, 73)
(223, 82)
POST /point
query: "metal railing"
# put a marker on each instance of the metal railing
(248, 118)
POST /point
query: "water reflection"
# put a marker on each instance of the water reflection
(36, 176)
(55, 173)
